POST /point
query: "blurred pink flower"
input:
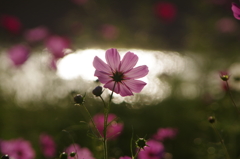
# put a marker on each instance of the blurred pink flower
(17, 149)
(226, 25)
(11, 23)
(166, 11)
(154, 150)
(109, 31)
(56, 45)
(81, 153)
(48, 146)
(36, 34)
(18, 54)
(125, 157)
(113, 130)
(236, 10)
(165, 133)
(120, 72)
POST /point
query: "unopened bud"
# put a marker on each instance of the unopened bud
(72, 154)
(97, 91)
(5, 157)
(79, 99)
(63, 155)
(141, 143)
(224, 75)
(211, 119)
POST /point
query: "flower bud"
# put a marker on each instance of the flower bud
(79, 99)
(63, 155)
(141, 143)
(224, 75)
(5, 157)
(211, 119)
(97, 91)
(72, 154)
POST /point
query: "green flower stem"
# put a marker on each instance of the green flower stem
(103, 101)
(106, 112)
(222, 141)
(136, 154)
(94, 125)
(231, 97)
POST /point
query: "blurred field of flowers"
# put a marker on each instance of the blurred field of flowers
(47, 49)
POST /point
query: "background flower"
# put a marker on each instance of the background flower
(81, 153)
(18, 54)
(113, 130)
(165, 133)
(47, 145)
(17, 149)
(154, 150)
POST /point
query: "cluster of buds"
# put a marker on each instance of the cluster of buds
(64, 155)
(79, 99)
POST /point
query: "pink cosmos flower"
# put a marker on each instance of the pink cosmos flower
(81, 153)
(165, 133)
(119, 75)
(113, 130)
(56, 45)
(18, 54)
(48, 146)
(11, 23)
(125, 157)
(154, 150)
(236, 10)
(36, 34)
(17, 149)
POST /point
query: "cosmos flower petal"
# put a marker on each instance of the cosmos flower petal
(100, 65)
(113, 58)
(135, 85)
(124, 90)
(102, 77)
(137, 72)
(110, 85)
(128, 61)
(236, 10)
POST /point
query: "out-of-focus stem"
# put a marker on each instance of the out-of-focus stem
(106, 112)
(222, 142)
(231, 97)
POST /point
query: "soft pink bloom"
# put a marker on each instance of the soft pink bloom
(36, 34)
(154, 150)
(48, 146)
(166, 11)
(17, 149)
(109, 32)
(113, 130)
(165, 133)
(11, 23)
(18, 54)
(120, 73)
(81, 153)
(125, 157)
(57, 45)
(236, 10)
(226, 25)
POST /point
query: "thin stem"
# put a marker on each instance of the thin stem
(136, 153)
(94, 125)
(222, 142)
(106, 112)
(231, 97)
(103, 101)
